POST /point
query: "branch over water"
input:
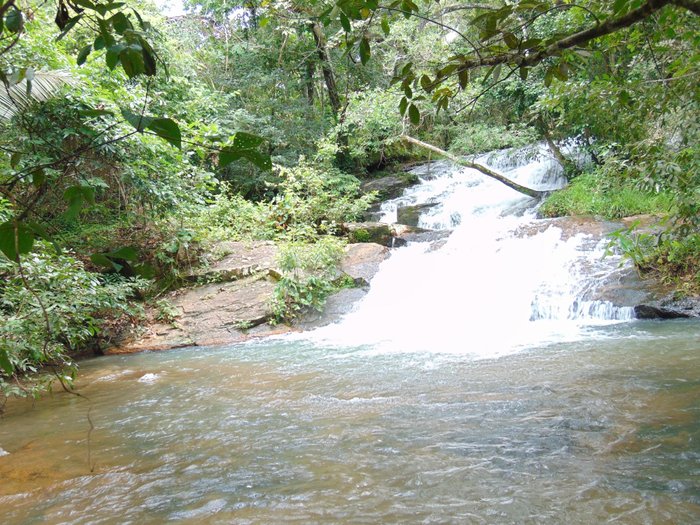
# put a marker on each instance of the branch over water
(535, 194)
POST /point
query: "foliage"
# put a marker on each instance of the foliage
(50, 306)
(309, 272)
(606, 197)
(309, 201)
(480, 137)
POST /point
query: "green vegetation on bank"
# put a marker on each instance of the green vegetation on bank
(130, 143)
(606, 197)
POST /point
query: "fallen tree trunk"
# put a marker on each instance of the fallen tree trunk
(535, 194)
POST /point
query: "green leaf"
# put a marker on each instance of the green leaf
(139, 122)
(120, 23)
(131, 59)
(77, 196)
(548, 76)
(463, 76)
(40, 231)
(511, 40)
(425, 83)
(15, 239)
(414, 114)
(94, 112)
(345, 22)
(144, 270)
(149, 58)
(403, 106)
(261, 160)
(364, 50)
(228, 155)
(243, 140)
(385, 27)
(82, 56)
(14, 21)
(38, 177)
(496, 73)
(166, 129)
(112, 55)
(100, 259)
(5, 362)
(128, 253)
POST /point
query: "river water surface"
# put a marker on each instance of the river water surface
(476, 383)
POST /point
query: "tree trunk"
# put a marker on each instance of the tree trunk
(309, 80)
(328, 75)
(535, 194)
(341, 158)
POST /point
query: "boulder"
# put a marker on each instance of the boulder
(211, 314)
(230, 312)
(369, 232)
(391, 186)
(361, 261)
(237, 260)
(410, 215)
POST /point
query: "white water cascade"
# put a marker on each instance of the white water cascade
(502, 281)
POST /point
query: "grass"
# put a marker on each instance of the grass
(589, 194)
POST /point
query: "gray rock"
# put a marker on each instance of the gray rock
(238, 260)
(369, 232)
(391, 186)
(361, 261)
(410, 215)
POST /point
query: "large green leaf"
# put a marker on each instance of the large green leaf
(166, 129)
(15, 239)
(243, 140)
(5, 362)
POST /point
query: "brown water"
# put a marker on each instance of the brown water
(601, 431)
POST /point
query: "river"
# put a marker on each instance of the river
(477, 382)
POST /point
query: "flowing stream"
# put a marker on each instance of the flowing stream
(479, 381)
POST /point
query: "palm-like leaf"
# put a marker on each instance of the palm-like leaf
(44, 85)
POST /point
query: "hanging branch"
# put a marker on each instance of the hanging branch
(535, 194)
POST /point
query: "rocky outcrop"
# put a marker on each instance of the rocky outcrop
(236, 260)
(389, 187)
(669, 308)
(233, 303)
(369, 232)
(649, 298)
(410, 215)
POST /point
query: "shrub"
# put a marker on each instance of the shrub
(309, 272)
(51, 307)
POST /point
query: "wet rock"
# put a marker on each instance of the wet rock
(669, 308)
(410, 215)
(212, 314)
(369, 232)
(415, 234)
(336, 306)
(391, 186)
(230, 312)
(361, 261)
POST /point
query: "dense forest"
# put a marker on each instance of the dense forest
(132, 141)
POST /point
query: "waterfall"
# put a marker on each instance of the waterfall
(503, 279)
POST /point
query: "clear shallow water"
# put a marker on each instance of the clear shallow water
(606, 430)
(475, 383)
